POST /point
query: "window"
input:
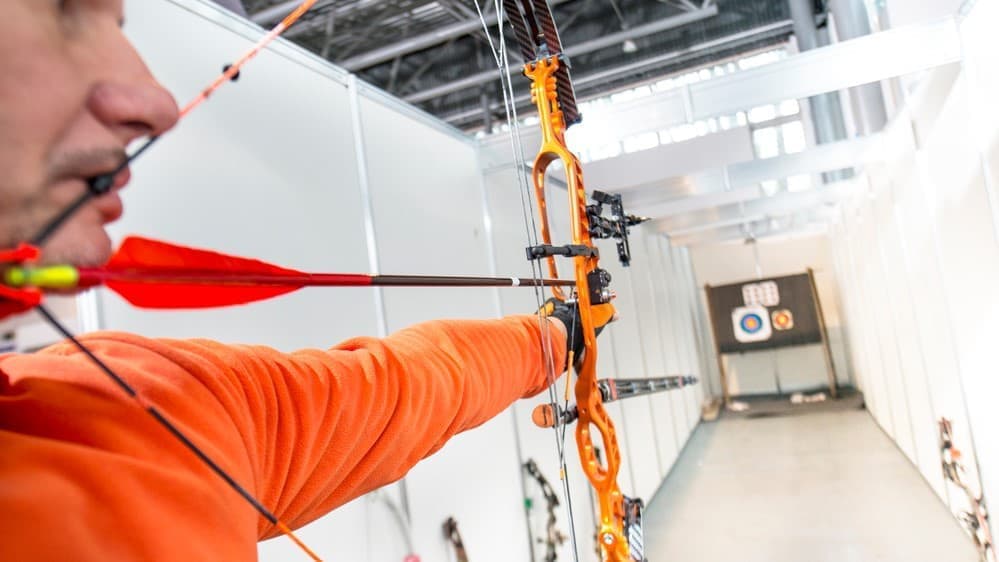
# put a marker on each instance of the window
(767, 142)
(793, 137)
(644, 141)
(797, 183)
(598, 137)
(762, 113)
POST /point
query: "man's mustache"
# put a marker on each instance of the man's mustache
(85, 164)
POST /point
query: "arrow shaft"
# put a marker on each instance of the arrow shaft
(89, 277)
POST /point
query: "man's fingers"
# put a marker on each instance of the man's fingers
(604, 314)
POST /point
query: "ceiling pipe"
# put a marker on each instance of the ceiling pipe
(278, 11)
(274, 14)
(420, 42)
(575, 50)
(579, 82)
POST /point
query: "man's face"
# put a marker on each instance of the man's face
(73, 94)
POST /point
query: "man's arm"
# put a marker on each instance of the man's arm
(311, 430)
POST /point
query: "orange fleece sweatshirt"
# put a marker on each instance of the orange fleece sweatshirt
(86, 474)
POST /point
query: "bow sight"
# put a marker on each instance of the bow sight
(616, 226)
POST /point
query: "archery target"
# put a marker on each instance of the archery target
(782, 319)
(751, 324)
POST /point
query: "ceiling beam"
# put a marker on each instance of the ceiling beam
(742, 180)
(806, 222)
(420, 42)
(764, 207)
(673, 57)
(583, 48)
(274, 14)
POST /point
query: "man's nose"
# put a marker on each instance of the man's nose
(133, 109)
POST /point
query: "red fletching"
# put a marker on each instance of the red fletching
(154, 274)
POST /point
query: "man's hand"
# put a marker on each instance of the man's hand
(566, 317)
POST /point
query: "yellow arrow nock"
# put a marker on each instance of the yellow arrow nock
(51, 277)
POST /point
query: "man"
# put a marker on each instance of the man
(85, 474)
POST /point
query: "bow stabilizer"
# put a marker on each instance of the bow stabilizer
(611, 390)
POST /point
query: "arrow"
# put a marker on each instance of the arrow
(611, 390)
(153, 274)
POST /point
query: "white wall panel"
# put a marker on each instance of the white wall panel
(630, 360)
(220, 181)
(929, 290)
(428, 214)
(700, 348)
(669, 406)
(961, 205)
(693, 397)
(878, 295)
(903, 319)
(639, 279)
(935, 334)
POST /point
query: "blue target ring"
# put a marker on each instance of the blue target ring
(751, 323)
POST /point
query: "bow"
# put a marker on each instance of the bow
(976, 519)
(619, 525)
(553, 537)
(453, 537)
(552, 93)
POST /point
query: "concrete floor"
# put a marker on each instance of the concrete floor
(823, 487)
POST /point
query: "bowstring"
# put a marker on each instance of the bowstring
(501, 57)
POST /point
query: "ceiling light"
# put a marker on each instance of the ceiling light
(629, 46)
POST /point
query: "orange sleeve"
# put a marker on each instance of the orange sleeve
(311, 430)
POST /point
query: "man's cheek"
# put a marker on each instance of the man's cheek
(82, 241)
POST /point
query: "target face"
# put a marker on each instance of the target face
(751, 324)
(761, 294)
(782, 319)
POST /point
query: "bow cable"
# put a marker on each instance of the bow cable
(501, 56)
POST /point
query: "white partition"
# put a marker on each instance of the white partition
(221, 181)
(666, 407)
(675, 324)
(918, 260)
(629, 350)
(427, 202)
(232, 177)
(691, 353)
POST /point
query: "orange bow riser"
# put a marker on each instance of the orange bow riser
(588, 401)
